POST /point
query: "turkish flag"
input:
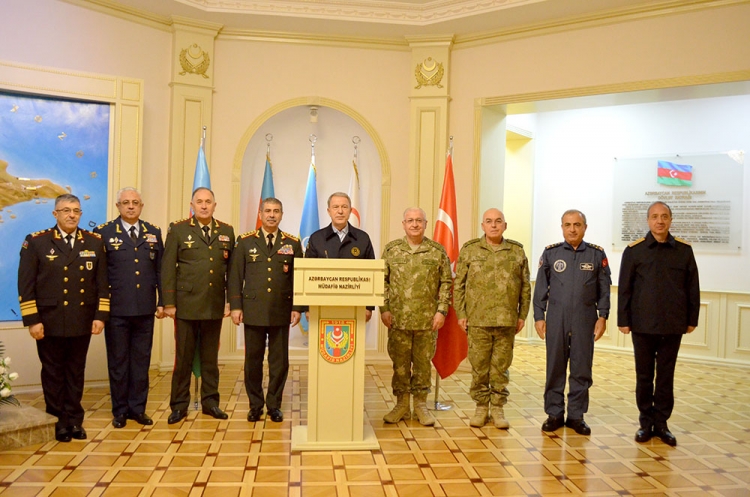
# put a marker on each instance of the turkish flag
(452, 343)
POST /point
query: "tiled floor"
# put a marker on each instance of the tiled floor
(204, 457)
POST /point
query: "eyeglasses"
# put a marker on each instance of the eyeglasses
(134, 203)
(67, 211)
(413, 221)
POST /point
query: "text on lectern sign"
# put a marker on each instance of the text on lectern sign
(337, 339)
(325, 282)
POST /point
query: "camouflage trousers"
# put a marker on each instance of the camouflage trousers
(490, 355)
(411, 352)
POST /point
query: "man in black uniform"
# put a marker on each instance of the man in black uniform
(572, 287)
(340, 240)
(261, 288)
(194, 269)
(62, 287)
(134, 250)
(658, 299)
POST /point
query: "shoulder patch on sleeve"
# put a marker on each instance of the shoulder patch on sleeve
(514, 242)
(633, 244)
(284, 234)
(685, 242)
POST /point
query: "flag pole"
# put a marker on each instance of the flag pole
(439, 406)
(269, 139)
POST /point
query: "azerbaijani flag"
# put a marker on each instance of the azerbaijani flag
(669, 173)
(266, 191)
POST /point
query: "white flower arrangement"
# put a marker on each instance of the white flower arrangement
(6, 377)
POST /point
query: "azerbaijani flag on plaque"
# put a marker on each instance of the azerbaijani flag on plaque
(669, 173)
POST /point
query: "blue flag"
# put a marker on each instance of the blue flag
(201, 178)
(266, 190)
(310, 221)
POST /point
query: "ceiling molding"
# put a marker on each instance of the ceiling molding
(372, 11)
(613, 16)
(126, 12)
(399, 44)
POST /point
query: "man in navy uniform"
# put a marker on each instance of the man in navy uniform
(572, 287)
(62, 287)
(134, 250)
(340, 240)
(193, 282)
(658, 300)
(261, 288)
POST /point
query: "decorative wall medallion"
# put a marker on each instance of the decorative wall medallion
(429, 73)
(194, 60)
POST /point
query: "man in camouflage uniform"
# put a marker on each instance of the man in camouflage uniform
(417, 296)
(492, 295)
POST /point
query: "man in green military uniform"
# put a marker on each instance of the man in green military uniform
(417, 296)
(261, 289)
(194, 268)
(492, 295)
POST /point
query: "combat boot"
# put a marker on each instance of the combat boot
(400, 410)
(480, 416)
(423, 414)
(498, 418)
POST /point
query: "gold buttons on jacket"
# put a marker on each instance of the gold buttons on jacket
(269, 290)
(65, 268)
(65, 290)
(65, 303)
(137, 273)
(65, 279)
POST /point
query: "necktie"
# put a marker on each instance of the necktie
(70, 240)
(206, 229)
(133, 236)
(270, 242)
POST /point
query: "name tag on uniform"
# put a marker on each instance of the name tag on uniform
(151, 238)
(587, 266)
(286, 250)
(223, 238)
(86, 253)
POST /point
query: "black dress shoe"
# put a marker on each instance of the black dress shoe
(62, 435)
(176, 416)
(141, 419)
(665, 436)
(643, 435)
(276, 415)
(579, 426)
(552, 423)
(77, 432)
(215, 412)
(255, 415)
(120, 421)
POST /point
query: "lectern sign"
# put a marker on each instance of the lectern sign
(337, 339)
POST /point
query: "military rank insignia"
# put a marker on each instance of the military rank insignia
(337, 339)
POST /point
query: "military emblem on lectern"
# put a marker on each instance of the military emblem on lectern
(337, 339)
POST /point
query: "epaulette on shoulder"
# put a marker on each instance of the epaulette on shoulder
(180, 221)
(43, 232)
(514, 242)
(633, 244)
(248, 234)
(685, 242)
(103, 225)
(597, 247)
(91, 234)
(284, 234)
(433, 243)
(471, 242)
(553, 245)
(222, 223)
(152, 225)
(393, 243)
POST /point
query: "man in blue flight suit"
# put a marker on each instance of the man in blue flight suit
(134, 249)
(340, 240)
(572, 286)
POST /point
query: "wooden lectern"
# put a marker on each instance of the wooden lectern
(337, 291)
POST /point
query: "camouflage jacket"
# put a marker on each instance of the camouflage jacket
(492, 288)
(417, 284)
